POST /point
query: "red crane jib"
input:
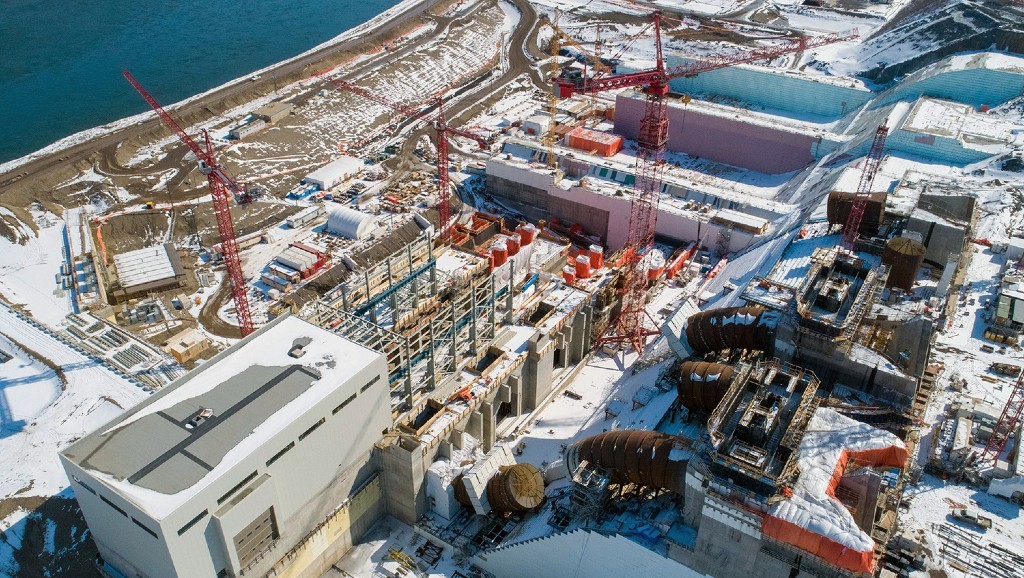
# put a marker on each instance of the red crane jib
(572, 82)
(1009, 419)
(222, 188)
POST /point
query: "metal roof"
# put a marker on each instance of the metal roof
(159, 445)
(147, 265)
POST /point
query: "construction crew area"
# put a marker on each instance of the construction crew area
(723, 289)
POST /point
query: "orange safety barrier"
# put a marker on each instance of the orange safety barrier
(822, 546)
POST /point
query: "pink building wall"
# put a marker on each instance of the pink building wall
(725, 140)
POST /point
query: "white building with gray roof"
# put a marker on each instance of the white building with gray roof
(258, 461)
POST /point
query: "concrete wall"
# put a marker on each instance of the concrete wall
(941, 240)
(784, 92)
(975, 86)
(522, 188)
(581, 553)
(122, 543)
(728, 540)
(931, 147)
(733, 141)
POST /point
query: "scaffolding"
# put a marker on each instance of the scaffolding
(426, 322)
(589, 491)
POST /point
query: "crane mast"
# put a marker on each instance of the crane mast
(867, 178)
(222, 188)
(634, 324)
(444, 131)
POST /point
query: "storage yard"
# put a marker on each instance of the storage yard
(744, 302)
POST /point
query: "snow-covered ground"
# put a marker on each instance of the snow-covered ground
(89, 395)
(30, 273)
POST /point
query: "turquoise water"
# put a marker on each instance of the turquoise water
(60, 60)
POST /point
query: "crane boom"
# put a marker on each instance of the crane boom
(867, 178)
(634, 324)
(570, 84)
(1009, 419)
(222, 188)
(444, 131)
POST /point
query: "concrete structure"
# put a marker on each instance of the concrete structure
(274, 112)
(236, 468)
(137, 273)
(187, 345)
(337, 171)
(595, 192)
(349, 222)
(749, 140)
(469, 351)
(831, 308)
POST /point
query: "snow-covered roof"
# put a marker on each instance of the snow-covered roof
(349, 222)
(334, 172)
(255, 390)
(147, 265)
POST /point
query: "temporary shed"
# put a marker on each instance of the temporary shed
(334, 172)
(349, 222)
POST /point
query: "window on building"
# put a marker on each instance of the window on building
(256, 538)
(343, 404)
(83, 484)
(193, 522)
(375, 379)
(115, 506)
(280, 453)
(303, 435)
(240, 485)
(148, 531)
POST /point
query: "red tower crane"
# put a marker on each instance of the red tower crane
(222, 187)
(444, 130)
(632, 325)
(1009, 419)
(867, 178)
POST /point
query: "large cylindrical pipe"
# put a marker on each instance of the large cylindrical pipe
(645, 458)
(751, 328)
(516, 488)
(702, 385)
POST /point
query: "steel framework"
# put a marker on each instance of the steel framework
(1008, 422)
(222, 186)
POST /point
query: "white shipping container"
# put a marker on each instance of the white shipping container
(298, 260)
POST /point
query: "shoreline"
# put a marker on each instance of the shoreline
(403, 10)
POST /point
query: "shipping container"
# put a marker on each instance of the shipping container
(284, 272)
(275, 282)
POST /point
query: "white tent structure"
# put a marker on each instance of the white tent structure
(349, 222)
(337, 171)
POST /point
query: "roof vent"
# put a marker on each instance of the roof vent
(297, 351)
(203, 415)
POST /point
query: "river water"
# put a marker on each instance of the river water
(60, 60)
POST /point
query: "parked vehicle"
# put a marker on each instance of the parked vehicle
(972, 517)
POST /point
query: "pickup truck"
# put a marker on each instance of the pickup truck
(972, 517)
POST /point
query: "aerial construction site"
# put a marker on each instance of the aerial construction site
(511, 288)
